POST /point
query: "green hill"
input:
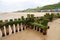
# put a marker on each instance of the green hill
(53, 6)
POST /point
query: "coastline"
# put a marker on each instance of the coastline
(12, 15)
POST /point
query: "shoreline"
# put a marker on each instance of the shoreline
(12, 15)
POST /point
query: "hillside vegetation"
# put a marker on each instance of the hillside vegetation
(37, 9)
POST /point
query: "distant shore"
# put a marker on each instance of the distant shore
(12, 15)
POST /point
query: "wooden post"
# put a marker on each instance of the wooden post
(2, 29)
(10, 30)
(23, 27)
(41, 30)
(44, 32)
(37, 28)
(14, 28)
(0, 33)
(19, 27)
(5, 30)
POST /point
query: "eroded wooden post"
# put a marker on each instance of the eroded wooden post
(0, 33)
(5, 30)
(2, 29)
(44, 32)
(10, 30)
(14, 28)
(37, 28)
(18, 27)
(41, 30)
(21, 27)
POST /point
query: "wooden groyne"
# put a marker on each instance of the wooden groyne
(12, 26)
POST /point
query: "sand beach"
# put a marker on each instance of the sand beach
(52, 34)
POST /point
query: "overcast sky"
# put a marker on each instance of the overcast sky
(13, 5)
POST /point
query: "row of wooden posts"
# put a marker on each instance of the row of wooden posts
(13, 29)
(24, 24)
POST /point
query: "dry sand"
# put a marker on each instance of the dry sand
(54, 31)
(52, 34)
(5, 16)
(25, 35)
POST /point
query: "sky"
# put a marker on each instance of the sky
(14, 5)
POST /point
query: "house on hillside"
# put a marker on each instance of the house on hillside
(51, 10)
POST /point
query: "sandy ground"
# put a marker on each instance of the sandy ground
(5, 16)
(54, 31)
(25, 35)
(52, 34)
